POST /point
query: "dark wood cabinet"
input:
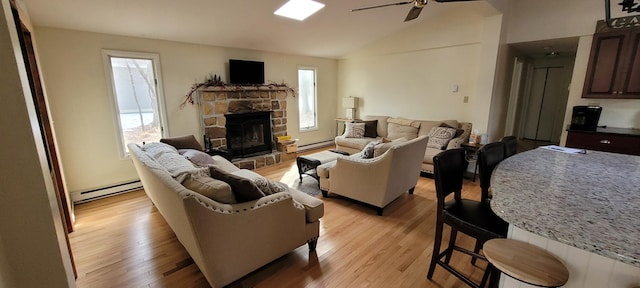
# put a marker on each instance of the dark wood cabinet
(614, 65)
(616, 140)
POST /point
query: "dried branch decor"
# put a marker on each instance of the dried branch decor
(214, 81)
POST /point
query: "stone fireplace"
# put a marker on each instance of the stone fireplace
(220, 104)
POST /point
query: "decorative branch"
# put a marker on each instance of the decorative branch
(214, 81)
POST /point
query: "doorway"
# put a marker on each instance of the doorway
(540, 84)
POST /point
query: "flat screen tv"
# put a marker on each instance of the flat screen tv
(246, 72)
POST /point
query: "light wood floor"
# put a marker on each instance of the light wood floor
(123, 241)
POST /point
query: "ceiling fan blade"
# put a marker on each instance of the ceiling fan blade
(379, 6)
(413, 13)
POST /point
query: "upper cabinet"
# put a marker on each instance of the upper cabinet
(614, 65)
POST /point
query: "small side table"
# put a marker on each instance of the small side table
(471, 151)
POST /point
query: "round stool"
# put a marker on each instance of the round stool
(525, 262)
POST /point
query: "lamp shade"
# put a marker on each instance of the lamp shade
(350, 102)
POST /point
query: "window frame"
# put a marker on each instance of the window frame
(315, 99)
(155, 60)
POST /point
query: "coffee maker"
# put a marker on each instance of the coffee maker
(585, 118)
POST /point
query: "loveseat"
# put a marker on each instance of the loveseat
(391, 131)
(225, 240)
(378, 180)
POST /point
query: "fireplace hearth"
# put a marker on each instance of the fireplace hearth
(249, 134)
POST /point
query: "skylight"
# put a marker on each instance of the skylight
(299, 9)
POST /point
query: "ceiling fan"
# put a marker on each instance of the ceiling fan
(415, 10)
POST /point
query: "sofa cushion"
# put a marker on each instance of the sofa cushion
(244, 189)
(402, 128)
(439, 137)
(425, 127)
(381, 130)
(429, 153)
(212, 188)
(184, 142)
(371, 128)
(197, 157)
(355, 143)
(354, 130)
(367, 152)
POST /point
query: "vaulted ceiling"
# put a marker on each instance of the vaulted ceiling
(333, 32)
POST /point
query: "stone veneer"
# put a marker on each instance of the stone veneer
(216, 101)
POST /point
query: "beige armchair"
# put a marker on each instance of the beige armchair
(376, 181)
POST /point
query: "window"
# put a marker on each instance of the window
(307, 99)
(135, 83)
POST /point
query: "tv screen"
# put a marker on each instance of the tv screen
(246, 72)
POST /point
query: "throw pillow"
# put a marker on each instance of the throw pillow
(197, 157)
(184, 142)
(269, 187)
(458, 130)
(215, 190)
(439, 137)
(243, 188)
(367, 152)
(371, 128)
(354, 130)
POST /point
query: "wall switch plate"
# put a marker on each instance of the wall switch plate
(454, 88)
(465, 99)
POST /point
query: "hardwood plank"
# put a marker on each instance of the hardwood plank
(122, 241)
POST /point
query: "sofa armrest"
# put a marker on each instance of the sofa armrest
(314, 207)
(456, 143)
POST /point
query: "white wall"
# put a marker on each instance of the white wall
(82, 108)
(33, 249)
(411, 74)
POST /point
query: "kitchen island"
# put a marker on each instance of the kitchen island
(583, 208)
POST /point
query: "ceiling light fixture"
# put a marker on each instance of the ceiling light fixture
(299, 9)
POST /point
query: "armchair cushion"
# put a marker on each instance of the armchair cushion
(381, 148)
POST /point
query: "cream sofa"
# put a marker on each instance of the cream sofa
(396, 132)
(376, 181)
(228, 241)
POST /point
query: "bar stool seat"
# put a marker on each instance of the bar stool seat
(525, 262)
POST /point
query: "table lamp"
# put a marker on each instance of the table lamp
(350, 103)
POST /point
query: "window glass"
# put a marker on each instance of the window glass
(137, 101)
(307, 98)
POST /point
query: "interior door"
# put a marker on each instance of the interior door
(46, 131)
(547, 94)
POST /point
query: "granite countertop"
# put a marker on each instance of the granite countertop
(589, 201)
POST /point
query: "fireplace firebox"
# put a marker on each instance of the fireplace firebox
(249, 134)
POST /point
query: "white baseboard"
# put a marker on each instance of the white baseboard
(97, 193)
(316, 145)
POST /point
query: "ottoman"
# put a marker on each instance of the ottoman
(307, 164)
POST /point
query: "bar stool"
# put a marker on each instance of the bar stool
(524, 262)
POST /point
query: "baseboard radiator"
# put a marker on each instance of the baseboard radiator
(98, 193)
(316, 145)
